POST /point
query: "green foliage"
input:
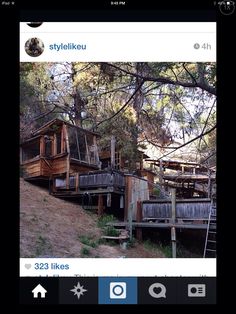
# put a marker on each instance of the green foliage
(181, 251)
(131, 243)
(156, 191)
(157, 113)
(84, 252)
(88, 241)
(43, 246)
(151, 246)
(148, 244)
(166, 249)
(110, 231)
(103, 220)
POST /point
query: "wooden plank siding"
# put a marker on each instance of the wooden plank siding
(136, 190)
(77, 167)
(45, 167)
(58, 161)
(65, 138)
(185, 208)
(149, 175)
(59, 164)
(32, 168)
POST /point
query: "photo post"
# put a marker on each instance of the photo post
(118, 162)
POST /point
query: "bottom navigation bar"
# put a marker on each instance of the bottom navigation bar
(118, 290)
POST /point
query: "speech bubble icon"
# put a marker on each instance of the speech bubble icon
(161, 290)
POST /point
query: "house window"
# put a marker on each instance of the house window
(48, 147)
(78, 148)
(82, 147)
(31, 150)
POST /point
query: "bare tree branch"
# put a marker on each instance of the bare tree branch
(206, 123)
(38, 117)
(165, 80)
(187, 143)
(124, 106)
(190, 74)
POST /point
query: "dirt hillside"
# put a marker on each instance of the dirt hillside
(51, 227)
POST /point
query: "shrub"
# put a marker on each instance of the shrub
(84, 251)
(102, 221)
(88, 241)
(110, 231)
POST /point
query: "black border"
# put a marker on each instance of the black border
(225, 132)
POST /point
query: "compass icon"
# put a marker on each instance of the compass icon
(78, 290)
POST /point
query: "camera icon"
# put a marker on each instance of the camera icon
(117, 290)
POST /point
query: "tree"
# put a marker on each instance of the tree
(142, 103)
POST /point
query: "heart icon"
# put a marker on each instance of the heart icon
(27, 266)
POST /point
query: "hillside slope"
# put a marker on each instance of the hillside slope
(51, 227)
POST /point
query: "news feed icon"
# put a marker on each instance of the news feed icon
(196, 290)
(118, 290)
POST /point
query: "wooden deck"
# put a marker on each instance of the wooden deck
(74, 194)
(196, 226)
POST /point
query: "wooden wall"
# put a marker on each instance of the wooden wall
(78, 167)
(150, 177)
(136, 189)
(45, 167)
(102, 179)
(59, 164)
(185, 209)
(32, 168)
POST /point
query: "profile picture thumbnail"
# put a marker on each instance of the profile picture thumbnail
(34, 47)
(34, 24)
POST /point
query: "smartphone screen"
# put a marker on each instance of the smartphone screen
(117, 124)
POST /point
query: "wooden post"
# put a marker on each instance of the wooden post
(54, 145)
(127, 196)
(87, 150)
(67, 159)
(77, 143)
(141, 162)
(173, 241)
(113, 149)
(121, 201)
(109, 200)
(173, 204)
(63, 142)
(139, 217)
(161, 173)
(209, 184)
(77, 182)
(121, 165)
(100, 205)
(42, 146)
(173, 218)
(130, 220)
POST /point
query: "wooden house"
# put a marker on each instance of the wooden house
(190, 179)
(67, 157)
(59, 151)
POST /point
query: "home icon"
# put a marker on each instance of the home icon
(39, 291)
